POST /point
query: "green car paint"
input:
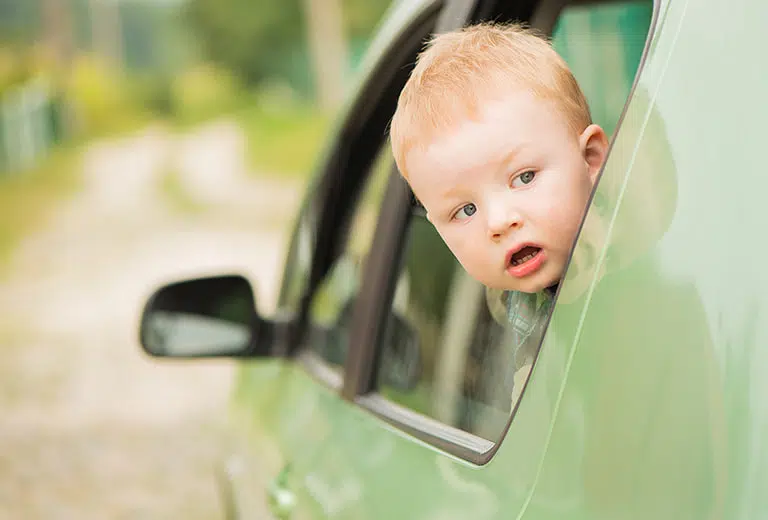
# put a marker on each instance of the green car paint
(645, 400)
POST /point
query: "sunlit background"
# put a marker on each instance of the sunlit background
(144, 141)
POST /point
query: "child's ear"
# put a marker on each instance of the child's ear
(594, 147)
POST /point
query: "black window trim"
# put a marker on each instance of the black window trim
(381, 274)
(336, 207)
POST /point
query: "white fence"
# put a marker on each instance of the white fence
(28, 126)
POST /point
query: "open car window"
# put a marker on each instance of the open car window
(332, 304)
(351, 191)
(473, 361)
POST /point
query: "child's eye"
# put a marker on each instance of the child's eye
(523, 179)
(465, 212)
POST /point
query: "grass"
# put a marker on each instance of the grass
(285, 142)
(175, 194)
(284, 131)
(28, 199)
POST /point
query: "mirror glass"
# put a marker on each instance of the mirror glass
(200, 318)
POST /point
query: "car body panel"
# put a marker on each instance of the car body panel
(660, 382)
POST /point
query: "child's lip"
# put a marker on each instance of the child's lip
(517, 249)
(528, 267)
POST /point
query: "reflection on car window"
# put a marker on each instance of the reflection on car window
(473, 361)
(331, 306)
(602, 45)
(460, 341)
(298, 263)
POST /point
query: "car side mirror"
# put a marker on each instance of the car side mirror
(205, 317)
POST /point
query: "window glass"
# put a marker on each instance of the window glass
(473, 361)
(298, 263)
(602, 45)
(330, 309)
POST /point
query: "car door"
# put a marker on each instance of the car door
(285, 410)
(390, 407)
(665, 359)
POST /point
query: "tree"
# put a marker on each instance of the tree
(57, 32)
(253, 38)
(106, 30)
(261, 38)
(328, 49)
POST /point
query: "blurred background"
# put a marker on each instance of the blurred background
(144, 141)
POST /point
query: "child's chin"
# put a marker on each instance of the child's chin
(531, 290)
(532, 285)
(525, 287)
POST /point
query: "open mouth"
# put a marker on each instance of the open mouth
(525, 254)
(526, 261)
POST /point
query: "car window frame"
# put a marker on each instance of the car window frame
(332, 199)
(380, 277)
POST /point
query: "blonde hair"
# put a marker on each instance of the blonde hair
(460, 70)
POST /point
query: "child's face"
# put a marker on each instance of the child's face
(507, 191)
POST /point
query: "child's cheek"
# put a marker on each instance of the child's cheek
(462, 240)
(561, 221)
(454, 239)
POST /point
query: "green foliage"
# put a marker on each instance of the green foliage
(19, 65)
(11, 73)
(284, 135)
(251, 37)
(258, 39)
(103, 99)
(203, 92)
(27, 199)
(155, 93)
(154, 37)
(362, 16)
(176, 195)
(18, 20)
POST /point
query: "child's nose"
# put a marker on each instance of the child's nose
(502, 222)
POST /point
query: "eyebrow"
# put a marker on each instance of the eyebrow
(509, 157)
(455, 192)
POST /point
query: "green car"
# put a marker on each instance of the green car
(384, 387)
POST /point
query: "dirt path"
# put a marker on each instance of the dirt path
(91, 428)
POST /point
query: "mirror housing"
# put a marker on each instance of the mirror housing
(204, 318)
